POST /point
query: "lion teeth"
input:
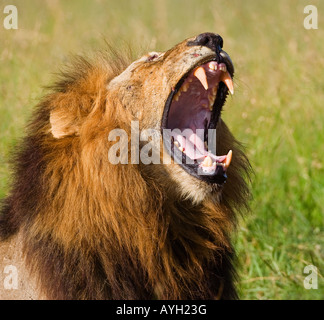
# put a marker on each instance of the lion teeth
(185, 87)
(200, 74)
(208, 162)
(222, 67)
(228, 159)
(211, 97)
(211, 102)
(213, 65)
(177, 96)
(227, 79)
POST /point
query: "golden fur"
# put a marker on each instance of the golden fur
(89, 229)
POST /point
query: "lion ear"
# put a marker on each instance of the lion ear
(63, 123)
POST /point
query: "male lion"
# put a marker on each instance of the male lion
(77, 226)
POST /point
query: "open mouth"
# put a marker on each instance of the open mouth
(191, 115)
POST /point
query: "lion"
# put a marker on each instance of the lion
(77, 226)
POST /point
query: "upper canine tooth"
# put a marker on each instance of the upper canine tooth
(227, 79)
(200, 73)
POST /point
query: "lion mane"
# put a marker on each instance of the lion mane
(90, 229)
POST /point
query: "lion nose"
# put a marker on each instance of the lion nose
(210, 40)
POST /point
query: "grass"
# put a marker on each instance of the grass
(277, 109)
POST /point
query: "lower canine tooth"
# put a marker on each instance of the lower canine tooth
(228, 159)
(208, 162)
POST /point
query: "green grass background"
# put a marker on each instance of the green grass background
(277, 110)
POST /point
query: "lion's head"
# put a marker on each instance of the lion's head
(180, 95)
(113, 224)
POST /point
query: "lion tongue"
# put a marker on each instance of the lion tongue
(194, 148)
(192, 145)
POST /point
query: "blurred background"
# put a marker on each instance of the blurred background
(277, 111)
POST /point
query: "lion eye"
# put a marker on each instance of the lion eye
(153, 56)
